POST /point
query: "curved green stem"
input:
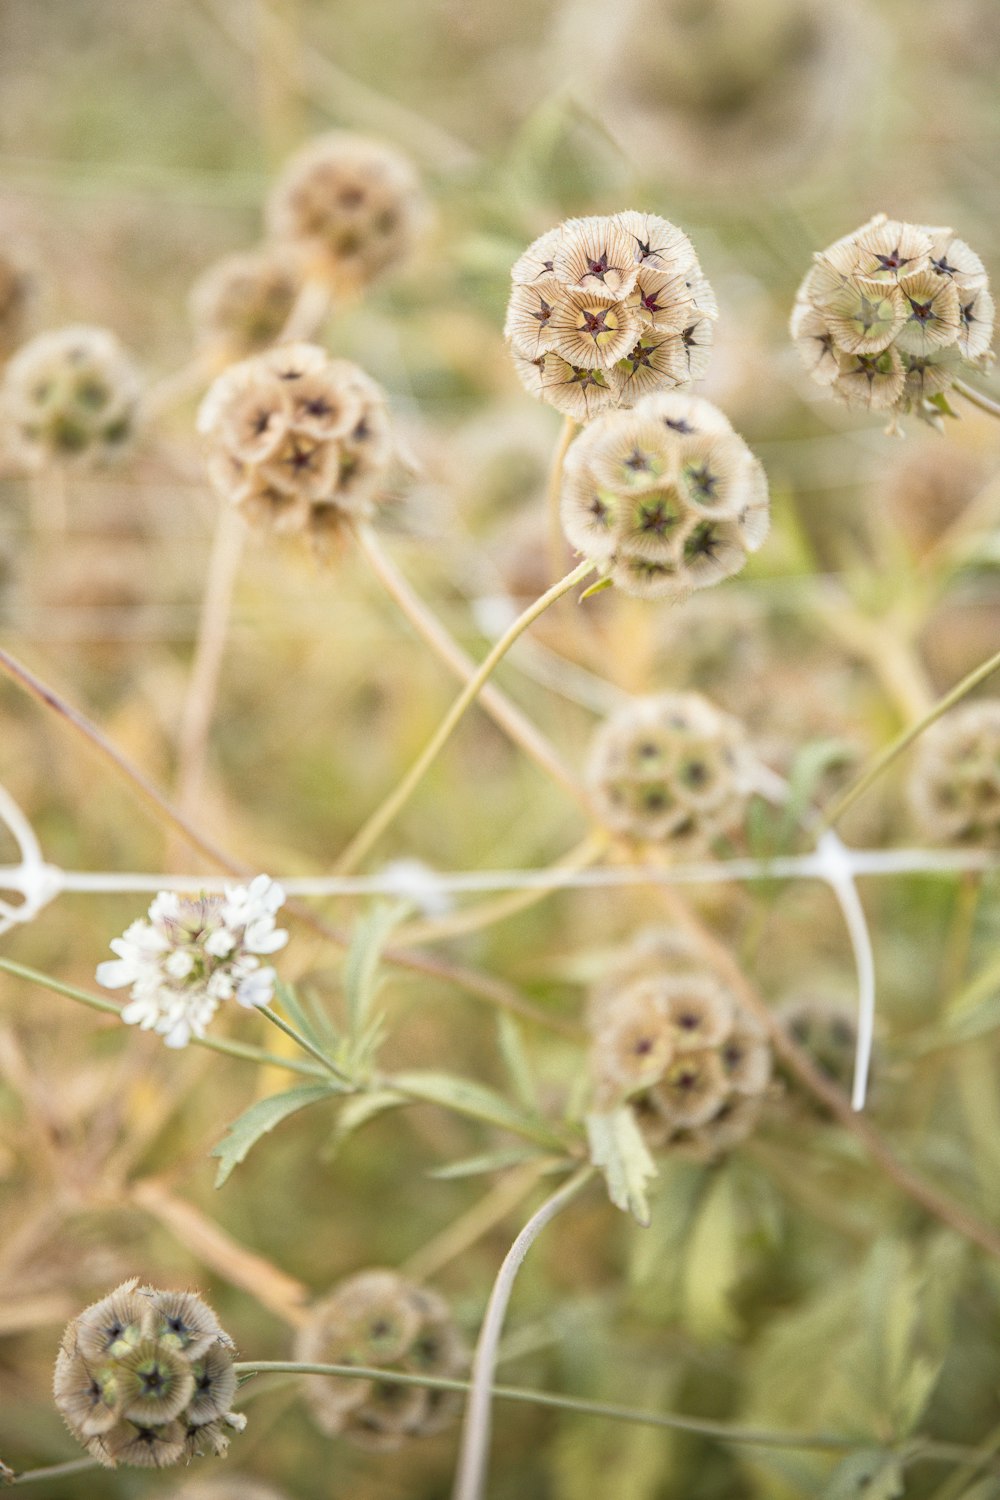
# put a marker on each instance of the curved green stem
(397, 799)
(903, 741)
(213, 1044)
(977, 398)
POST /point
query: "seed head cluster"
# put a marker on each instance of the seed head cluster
(69, 396)
(194, 952)
(240, 305)
(604, 310)
(955, 785)
(354, 206)
(671, 1038)
(299, 441)
(672, 770)
(665, 498)
(380, 1319)
(145, 1378)
(828, 1031)
(891, 315)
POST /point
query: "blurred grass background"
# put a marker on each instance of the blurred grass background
(136, 144)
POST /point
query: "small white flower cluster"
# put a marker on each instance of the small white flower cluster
(194, 952)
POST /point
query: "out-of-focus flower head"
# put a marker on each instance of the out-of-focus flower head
(69, 397)
(242, 303)
(671, 1039)
(955, 783)
(603, 310)
(378, 1318)
(353, 205)
(299, 441)
(665, 498)
(674, 771)
(827, 1030)
(192, 953)
(145, 1378)
(890, 316)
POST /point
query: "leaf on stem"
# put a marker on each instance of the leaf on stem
(618, 1149)
(244, 1133)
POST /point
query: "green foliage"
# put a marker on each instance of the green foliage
(244, 1133)
(617, 1147)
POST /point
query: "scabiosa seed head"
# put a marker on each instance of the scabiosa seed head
(828, 1030)
(241, 304)
(379, 1318)
(955, 784)
(189, 955)
(665, 498)
(134, 1391)
(354, 206)
(670, 1038)
(604, 310)
(672, 770)
(889, 317)
(69, 397)
(299, 441)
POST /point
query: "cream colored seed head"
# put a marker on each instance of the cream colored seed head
(670, 1038)
(665, 498)
(955, 783)
(69, 397)
(889, 317)
(674, 771)
(298, 441)
(354, 206)
(604, 310)
(828, 1031)
(243, 302)
(379, 1318)
(145, 1378)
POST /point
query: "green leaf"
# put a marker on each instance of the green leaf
(713, 1263)
(515, 1057)
(490, 1161)
(361, 963)
(617, 1147)
(243, 1134)
(476, 1100)
(296, 1012)
(595, 588)
(872, 1475)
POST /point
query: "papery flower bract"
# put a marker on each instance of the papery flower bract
(890, 316)
(665, 498)
(191, 953)
(145, 1378)
(604, 309)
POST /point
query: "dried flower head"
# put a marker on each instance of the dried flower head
(672, 1039)
(672, 770)
(15, 298)
(194, 952)
(889, 317)
(604, 310)
(69, 396)
(145, 1378)
(299, 441)
(665, 498)
(826, 1029)
(955, 784)
(353, 205)
(379, 1319)
(243, 302)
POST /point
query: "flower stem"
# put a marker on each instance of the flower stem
(496, 703)
(397, 799)
(474, 1450)
(977, 398)
(304, 1043)
(53, 1471)
(557, 543)
(203, 686)
(903, 741)
(213, 1044)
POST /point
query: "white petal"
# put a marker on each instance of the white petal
(115, 973)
